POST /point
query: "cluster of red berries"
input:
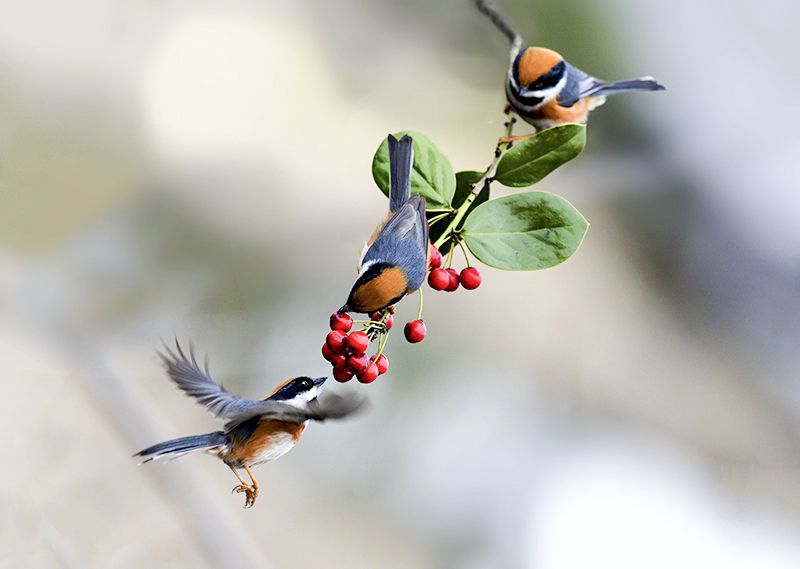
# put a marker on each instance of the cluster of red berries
(347, 352)
(449, 279)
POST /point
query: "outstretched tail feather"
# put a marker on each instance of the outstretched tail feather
(178, 447)
(641, 84)
(401, 160)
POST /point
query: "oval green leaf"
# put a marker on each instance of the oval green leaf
(524, 232)
(432, 176)
(534, 158)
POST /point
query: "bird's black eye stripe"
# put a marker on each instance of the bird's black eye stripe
(549, 79)
(515, 67)
(292, 389)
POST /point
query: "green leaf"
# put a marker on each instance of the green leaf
(534, 158)
(464, 181)
(432, 176)
(524, 232)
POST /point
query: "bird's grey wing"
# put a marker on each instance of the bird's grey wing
(401, 222)
(409, 222)
(327, 406)
(187, 375)
(410, 217)
(578, 85)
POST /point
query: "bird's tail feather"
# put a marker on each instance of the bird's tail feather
(641, 84)
(401, 160)
(178, 447)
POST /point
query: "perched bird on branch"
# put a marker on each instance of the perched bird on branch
(545, 90)
(255, 432)
(395, 259)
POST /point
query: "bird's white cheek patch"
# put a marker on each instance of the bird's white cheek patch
(546, 95)
(552, 92)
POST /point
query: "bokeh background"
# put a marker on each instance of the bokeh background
(201, 169)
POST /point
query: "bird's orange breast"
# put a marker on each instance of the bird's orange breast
(271, 439)
(552, 111)
(376, 293)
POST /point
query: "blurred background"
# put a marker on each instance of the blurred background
(202, 170)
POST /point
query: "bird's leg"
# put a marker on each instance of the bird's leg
(254, 487)
(504, 139)
(508, 139)
(250, 492)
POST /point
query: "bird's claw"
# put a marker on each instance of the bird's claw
(250, 494)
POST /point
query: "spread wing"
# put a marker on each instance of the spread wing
(327, 406)
(187, 375)
(196, 382)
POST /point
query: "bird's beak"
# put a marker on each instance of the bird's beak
(319, 381)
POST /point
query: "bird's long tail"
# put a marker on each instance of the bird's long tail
(641, 84)
(401, 160)
(178, 447)
(505, 27)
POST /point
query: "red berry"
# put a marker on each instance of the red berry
(369, 375)
(342, 374)
(358, 342)
(439, 279)
(382, 362)
(389, 322)
(375, 316)
(339, 360)
(357, 363)
(326, 352)
(470, 278)
(341, 321)
(415, 331)
(453, 285)
(336, 341)
(434, 257)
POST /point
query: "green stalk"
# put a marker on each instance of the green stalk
(485, 180)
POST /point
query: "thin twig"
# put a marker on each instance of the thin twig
(486, 179)
(502, 24)
(502, 147)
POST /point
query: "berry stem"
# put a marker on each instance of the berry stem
(419, 314)
(464, 250)
(439, 217)
(450, 256)
(382, 343)
(485, 180)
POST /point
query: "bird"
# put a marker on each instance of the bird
(254, 432)
(545, 90)
(394, 260)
